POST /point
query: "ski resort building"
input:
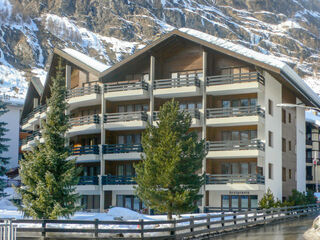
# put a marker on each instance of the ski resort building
(312, 150)
(231, 93)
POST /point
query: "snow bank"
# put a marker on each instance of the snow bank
(314, 232)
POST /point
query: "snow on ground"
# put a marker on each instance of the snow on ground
(314, 232)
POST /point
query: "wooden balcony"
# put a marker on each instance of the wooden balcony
(194, 113)
(84, 125)
(234, 179)
(87, 153)
(83, 96)
(177, 87)
(127, 90)
(122, 151)
(236, 116)
(251, 82)
(235, 149)
(125, 120)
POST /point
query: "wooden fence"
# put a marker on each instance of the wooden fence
(185, 227)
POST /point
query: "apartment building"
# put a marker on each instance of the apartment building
(312, 150)
(231, 93)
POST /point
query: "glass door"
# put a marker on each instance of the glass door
(128, 202)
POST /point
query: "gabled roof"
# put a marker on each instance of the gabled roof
(34, 85)
(267, 62)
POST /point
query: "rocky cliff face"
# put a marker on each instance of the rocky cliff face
(111, 29)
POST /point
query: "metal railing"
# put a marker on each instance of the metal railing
(235, 78)
(88, 180)
(176, 82)
(30, 115)
(235, 112)
(78, 121)
(88, 149)
(125, 86)
(194, 113)
(117, 180)
(235, 145)
(125, 117)
(234, 178)
(81, 91)
(121, 148)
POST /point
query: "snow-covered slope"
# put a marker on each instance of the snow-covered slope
(111, 30)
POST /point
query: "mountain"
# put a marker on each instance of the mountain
(109, 30)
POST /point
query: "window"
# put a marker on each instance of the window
(289, 118)
(270, 107)
(283, 116)
(284, 174)
(290, 174)
(270, 168)
(289, 145)
(284, 147)
(270, 139)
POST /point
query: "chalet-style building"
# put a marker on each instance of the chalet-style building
(232, 94)
(312, 150)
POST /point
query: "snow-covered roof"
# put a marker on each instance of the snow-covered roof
(91, 62)
(273, 61)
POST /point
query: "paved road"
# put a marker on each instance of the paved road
(289, 230)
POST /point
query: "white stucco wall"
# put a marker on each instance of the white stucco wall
(12, 118)
(301, 149)
(273, 155)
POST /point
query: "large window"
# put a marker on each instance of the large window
(239, 201)
(284, 174)
(245, 102)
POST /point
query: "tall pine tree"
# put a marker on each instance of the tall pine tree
(49, 179)
(167, 177)
(3, 147)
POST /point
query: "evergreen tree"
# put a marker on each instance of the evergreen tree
(268, 201)
(3, 148)
(167, 177)
(49, 179)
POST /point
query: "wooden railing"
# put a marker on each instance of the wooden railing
(78, 121)
(235, 78)
(88, 180)
(207, 225)
(121, 148)
(234, 178)
(88, 149)
(82, 91)
(235, 145)
(125, 117)
(176, 82)
(125, 86)
(117, 180)
(235, 112)
(194, 113)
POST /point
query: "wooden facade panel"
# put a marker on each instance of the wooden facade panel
(83, 140)
(85, 111)
(111, 166)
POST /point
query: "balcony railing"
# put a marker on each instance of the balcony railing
(235, 145)
(88, 180)
(309, 160)
(121, 148)
(125, 117)
(234, 178)
(125, 86)
(117, 180)
(84, 120)
(81, 91)
(194, 113)
(89, 149)
(30, 115)
(235, 78)
(235, 112)
(176, 82)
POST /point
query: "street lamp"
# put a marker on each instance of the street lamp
(316, 152)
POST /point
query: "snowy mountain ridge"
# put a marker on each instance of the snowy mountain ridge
(110, 30)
